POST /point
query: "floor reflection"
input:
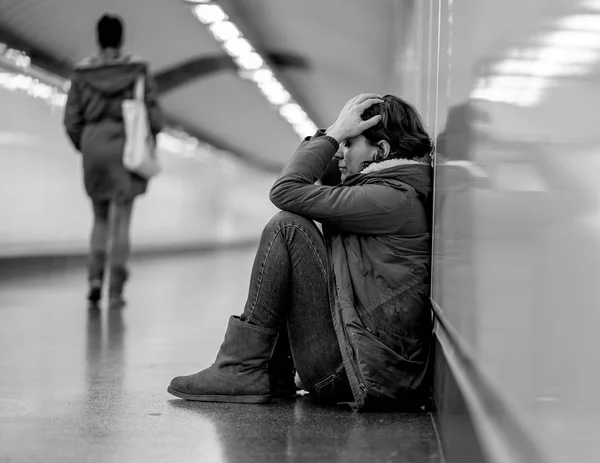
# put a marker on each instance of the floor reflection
(96, 381)
(303, 431)
(105, 371)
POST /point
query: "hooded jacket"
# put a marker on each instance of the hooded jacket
(377, 232)
(94, 122)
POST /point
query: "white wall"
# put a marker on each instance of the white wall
(199, 198)
(517, 218)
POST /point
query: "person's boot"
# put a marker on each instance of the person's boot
(239, 373)
(281, 369)
(94, 294)
(95, 279)
(118, 277)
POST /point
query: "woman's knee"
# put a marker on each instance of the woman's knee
(284, 218)
(294, 230)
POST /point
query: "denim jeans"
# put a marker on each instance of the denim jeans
(104, 225)
(289, 291)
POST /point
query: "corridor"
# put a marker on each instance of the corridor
(91, 386)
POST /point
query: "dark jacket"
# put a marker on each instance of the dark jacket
(378, 236)
(94, 122)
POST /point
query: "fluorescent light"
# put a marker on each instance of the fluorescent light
(279, 97)
(572, 39)
(293, 113)
(305, 129)
(33, 87)
(250, 61)
(170, 143)
(43, 92)
(275, 92)
(18, 57)
(501, 95)
(515, 82)
(237, 47)
(181, 144)
(568, 55)
(252, 65)
(514, 66)
(262, 75)
(517, 90)
(267, 81)
(581, 22)
(208, 14)
(541, 67)
(591, 4)
(224, 31)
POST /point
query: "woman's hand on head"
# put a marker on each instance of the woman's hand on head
(349, 122)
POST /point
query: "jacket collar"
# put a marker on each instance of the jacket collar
(388, 163)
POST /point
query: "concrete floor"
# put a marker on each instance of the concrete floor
(79, 386)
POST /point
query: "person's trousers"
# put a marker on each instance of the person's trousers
(112, 222)
(289, 291)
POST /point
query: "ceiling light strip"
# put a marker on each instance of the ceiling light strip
(252, 66)
(17, 74)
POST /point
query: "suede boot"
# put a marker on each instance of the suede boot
(239, 374)
(95, 278)
(118, 276)
(94, 294)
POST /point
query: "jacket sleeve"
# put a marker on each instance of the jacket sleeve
(73, 118)
(331, 175)
(155, 113)
(373, 208)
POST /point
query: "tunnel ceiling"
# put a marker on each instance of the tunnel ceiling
(324, 52)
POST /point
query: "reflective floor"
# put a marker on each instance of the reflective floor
(80, 386)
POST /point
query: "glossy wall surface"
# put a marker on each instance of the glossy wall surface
(511, 92)
(200, 198)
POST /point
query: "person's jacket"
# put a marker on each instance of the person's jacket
(94, 121)
(377, 231)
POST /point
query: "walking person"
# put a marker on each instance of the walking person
(94, 123)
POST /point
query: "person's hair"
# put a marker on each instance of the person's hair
(110, 31)
(401, 127)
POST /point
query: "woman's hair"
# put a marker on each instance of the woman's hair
(401, 127)
(110, 31)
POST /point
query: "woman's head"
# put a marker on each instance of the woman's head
(109, 32)
(399, 134)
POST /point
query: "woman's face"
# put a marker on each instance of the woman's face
(352, 153)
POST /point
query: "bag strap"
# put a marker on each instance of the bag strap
(139, 89)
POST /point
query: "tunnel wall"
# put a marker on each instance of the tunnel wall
(201, 198)
(508, 90)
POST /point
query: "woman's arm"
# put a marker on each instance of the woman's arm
(370, 209)
(155, 114)
(332, 175)
(73, 118)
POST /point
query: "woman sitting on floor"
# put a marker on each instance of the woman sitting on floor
(352, 303)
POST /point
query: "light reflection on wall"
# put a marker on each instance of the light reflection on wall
(570, 47)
